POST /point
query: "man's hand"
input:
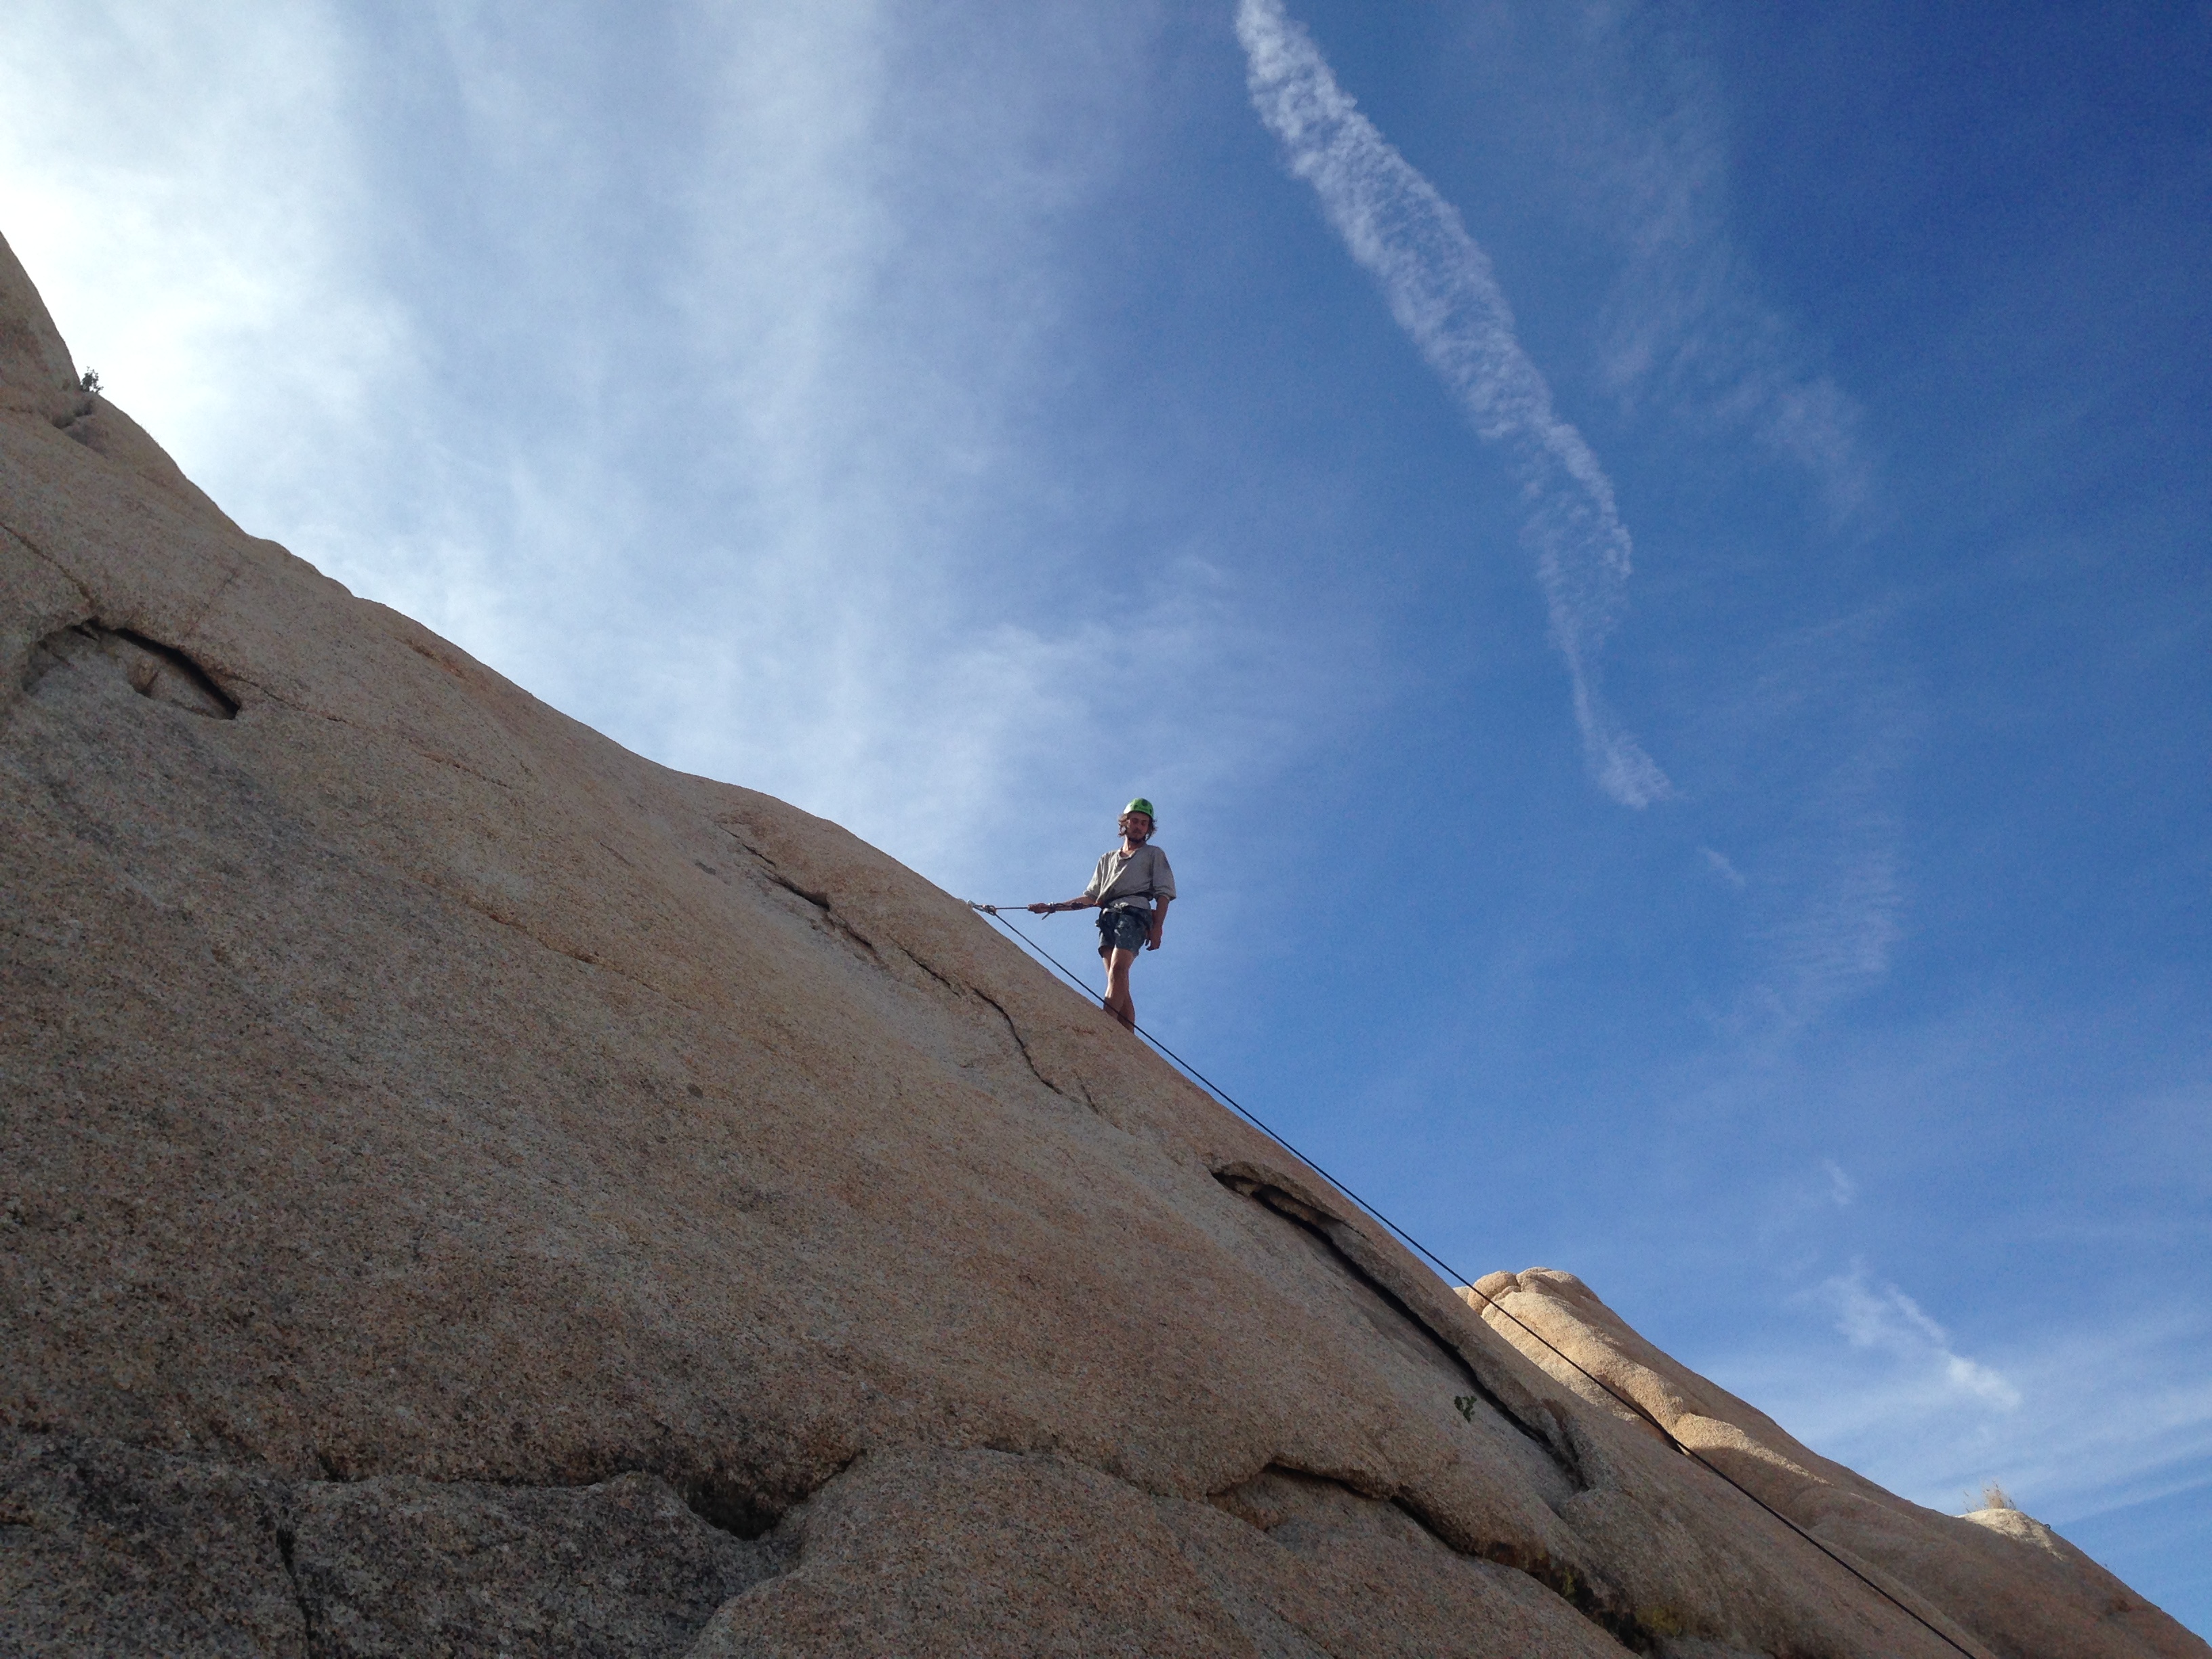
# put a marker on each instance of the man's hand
(1154, 942)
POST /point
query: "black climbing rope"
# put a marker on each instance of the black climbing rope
(1452, 1275)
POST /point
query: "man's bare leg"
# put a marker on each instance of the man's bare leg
(1117, 987)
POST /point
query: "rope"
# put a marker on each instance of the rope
(1453, 1276)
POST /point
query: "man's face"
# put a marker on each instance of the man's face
(1136, 826)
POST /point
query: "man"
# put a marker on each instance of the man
(1124, 886)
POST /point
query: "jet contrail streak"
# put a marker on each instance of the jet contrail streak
(1440, 288)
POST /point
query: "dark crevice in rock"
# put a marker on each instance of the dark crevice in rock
(281, 701)
(829, 917)
(750, 1514)
(153, 670)
(1541, 1419)
(1260, 1502)
(1030, 1060)
(1561, 1579)
(429, 655)
(821, 902)
(1325, 1227)
(1571, 1444)
(931, 971)
(745, 1510)
(175, 661)
(286, 1550)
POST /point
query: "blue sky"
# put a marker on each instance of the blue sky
(1655, 561)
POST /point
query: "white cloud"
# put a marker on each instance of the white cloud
(1842, 1189)
(1685, 325)
(2095, 1408)
(1888, 1320)
(1441, 290)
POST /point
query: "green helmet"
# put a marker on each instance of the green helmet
(1141, 805)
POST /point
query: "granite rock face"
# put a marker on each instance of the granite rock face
(466, 1189)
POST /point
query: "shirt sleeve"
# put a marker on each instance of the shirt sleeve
(1097, 879)
(1162, 877)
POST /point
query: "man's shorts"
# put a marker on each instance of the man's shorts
(1123, 930)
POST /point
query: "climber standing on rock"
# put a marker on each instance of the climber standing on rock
(1124, 887)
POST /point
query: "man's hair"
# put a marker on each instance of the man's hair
(1121, 823)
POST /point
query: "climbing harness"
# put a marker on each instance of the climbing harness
(1453, 1276)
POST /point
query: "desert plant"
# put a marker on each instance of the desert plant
(1994, 1497)
(90, 382)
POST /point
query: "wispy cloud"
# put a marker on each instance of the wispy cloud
(1838, 937)
(1441, 289)
(1887, 1320)
(1719, 864)
(1686, 325)
(2087, 1412)
(1842, 1189)
(1806, 761)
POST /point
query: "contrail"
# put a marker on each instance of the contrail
(1441, 289)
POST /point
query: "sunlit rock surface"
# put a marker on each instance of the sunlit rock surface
(466, 1189)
